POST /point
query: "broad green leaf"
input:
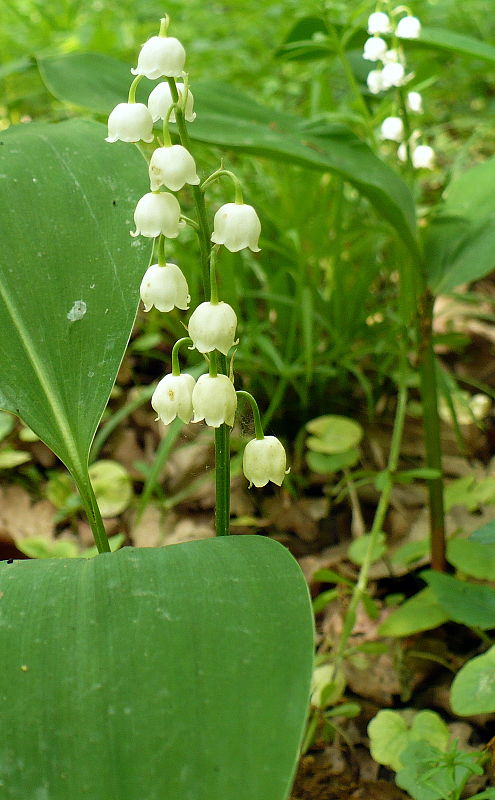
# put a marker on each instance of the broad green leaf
(333, 434)
(326, 463)
(425, 776)
(450, 41)
(472, 557)
(228, 118)
(69, 276)
(391, 732)
(473, 689)
(464, 602)
(422, 612)
(181, 672)
(460, 243)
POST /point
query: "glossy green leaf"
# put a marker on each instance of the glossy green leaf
(422, 612)
(460, 243)
(450, 41)
(69, 276)
(227, 117)
(464, 602)
(473, 689)
(472, 557)
(390, 733)
(333, 434)
(182, 672)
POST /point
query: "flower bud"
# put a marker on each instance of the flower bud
(423, 157)
(214, 399)
(164, 288)
(374, 49)
(375, 81)
(393, 129)
(161, 99)
(158, 213)
(212, 327)
(379, 22)
(393, 75)
(173, 398)
(130, 122)
(161, 56)
(172, 167)
(415, 102)
(408, 28)
(264, 460)
(236, 225)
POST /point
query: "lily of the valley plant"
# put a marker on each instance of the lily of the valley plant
(213, 322)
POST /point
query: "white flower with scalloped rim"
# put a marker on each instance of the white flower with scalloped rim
(212, 327)
(158, 213)
(408, 28)
(375, 81)
(393, 74)
(130, 122)
(165, 288)
(379, 22)
(161, 56)
(172, 167)
(392, 128)
(160, 100)
(236, 225)
(374, 49)
(423, 157)
(173, 398)
(414, 102)
(264, 460)
(214, 399)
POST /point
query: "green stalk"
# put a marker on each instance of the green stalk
(199, 201)
(431, 427)
(90, 505)
(393, 460)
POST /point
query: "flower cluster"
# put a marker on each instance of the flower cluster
(213, 323)
(392, 72)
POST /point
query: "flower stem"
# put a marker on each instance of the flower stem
(256, 413)
(239, 199)
(93, 514)
(132, 89)
(199, 201)
(175, 355)
(222, 470)
(431, 427)
(213, 274)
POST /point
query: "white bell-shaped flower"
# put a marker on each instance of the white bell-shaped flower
(236, 225)
(212, 327)
(408, 28)
(161, 56)
(173, 398)
(379, 22)
(375, 81)
(393, 75)
(423, 157)
(172, 167)
(391, 56)
(414, 102)
(158, 213)
(374, 49)
(392, 128)
(214, 399)
(264, 460)
(165, 288)
(160, 100)
(130, 122)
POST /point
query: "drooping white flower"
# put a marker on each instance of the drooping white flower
(408, 28)
(172, 167)
(164, 288)
(391, 56)
(212, 327)
(414, 102)
(423, 157)
(161, 56)
(392, 128)
(236, 225)
(374, 49)
(375, 81)
(161, 99)
(393, 75)
(214, 399)
(130, 122)
(379, 22)
(264, 460)
(158, 213)
(173, 398)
